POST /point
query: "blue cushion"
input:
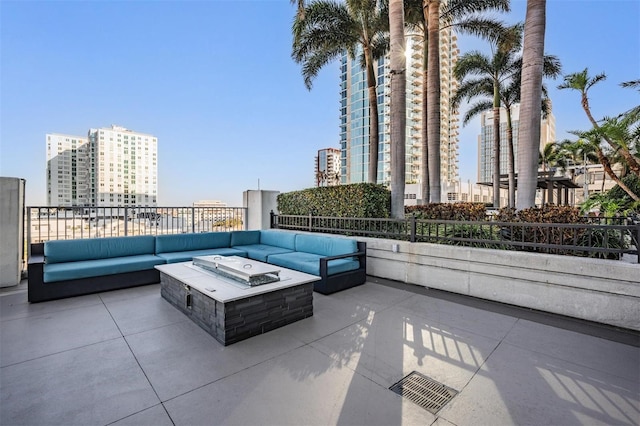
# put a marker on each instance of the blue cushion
(260, 252)
(325, 246)
(186, 256)
(98, 248)
(186, 242)
(310, 263)
(245, 238)
(94, 268)
(282, 239)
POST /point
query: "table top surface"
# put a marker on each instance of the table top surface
(225, 289)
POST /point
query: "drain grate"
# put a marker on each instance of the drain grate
(423, 391)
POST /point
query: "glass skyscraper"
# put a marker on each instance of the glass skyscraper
(354, 114)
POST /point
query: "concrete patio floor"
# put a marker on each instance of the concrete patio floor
(129, 358)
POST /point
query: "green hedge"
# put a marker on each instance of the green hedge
(361, 200)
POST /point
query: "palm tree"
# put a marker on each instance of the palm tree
(491, 74)
(593, 138)
(581, 82)
(431, 17)
(531, 96)
(398, 107)
(326, 30)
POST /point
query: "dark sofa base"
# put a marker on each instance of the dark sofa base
(39, 291)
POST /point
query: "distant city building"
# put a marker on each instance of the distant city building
(328, 167)
(485, 141)
(110, 167)
(354, 114)
(68, 170)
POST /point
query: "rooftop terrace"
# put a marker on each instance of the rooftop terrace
(129, 358)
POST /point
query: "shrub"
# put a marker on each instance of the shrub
(449, 211)
(362, 200)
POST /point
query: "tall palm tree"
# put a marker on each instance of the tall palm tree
(490, 74)
(398, 107)
(431, 17)
(328, 28)
(530, 98)
(582, 82)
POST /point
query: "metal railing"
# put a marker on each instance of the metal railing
(45, 223)
(584, 239)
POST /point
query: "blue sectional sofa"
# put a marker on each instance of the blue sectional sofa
(59, 269)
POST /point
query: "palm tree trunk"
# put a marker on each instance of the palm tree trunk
(530, 99)
(398, 107)
(433, 98)
(373, 117)
(424, 162)
(496, 147)
(607, 168)
(511, 161)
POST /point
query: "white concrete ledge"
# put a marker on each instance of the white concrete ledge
(605, 291)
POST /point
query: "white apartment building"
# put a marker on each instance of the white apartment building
(354, 114)
(327, 171)
(68, 171)
(112, 166)
(485, 141)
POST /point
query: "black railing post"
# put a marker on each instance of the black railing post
(193, 219)
(126, 220)
(272, 222)
(638, 240)
(412, 227)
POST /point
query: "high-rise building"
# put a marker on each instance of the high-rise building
(328, 167)
(485, 141)
(354, 114)
(110, 167)
(68, 178)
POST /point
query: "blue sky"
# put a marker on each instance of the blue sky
(213, 80)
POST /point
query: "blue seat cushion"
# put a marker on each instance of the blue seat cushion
(98, 267)
(186, 256)
(325, 246)
(189, 242)
(261, 252)
(244, 238)
(282, 239)
(61, 251)
(310, 263)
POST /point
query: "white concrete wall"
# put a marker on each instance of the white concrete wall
(11, 230)
(605, 291)
(259, 204)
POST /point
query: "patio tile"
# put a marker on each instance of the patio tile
(302, 387)
(604, 355)
(181, 357)
(329, 316)
(92, 385)
(518, 386)
(391, 344)
(143, 312)
(16, 305)
(477, 321)
(375, 296)
(31, 337)
(154, 416)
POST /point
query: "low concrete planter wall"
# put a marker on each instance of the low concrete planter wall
(604, 291)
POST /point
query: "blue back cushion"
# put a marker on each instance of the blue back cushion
(188, 242)
(98, 248)
(325, 246)
(245, 238)
(278, 239)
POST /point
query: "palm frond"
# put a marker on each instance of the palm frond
(476, 109)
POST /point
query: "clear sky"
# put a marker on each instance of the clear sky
(214, 81)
